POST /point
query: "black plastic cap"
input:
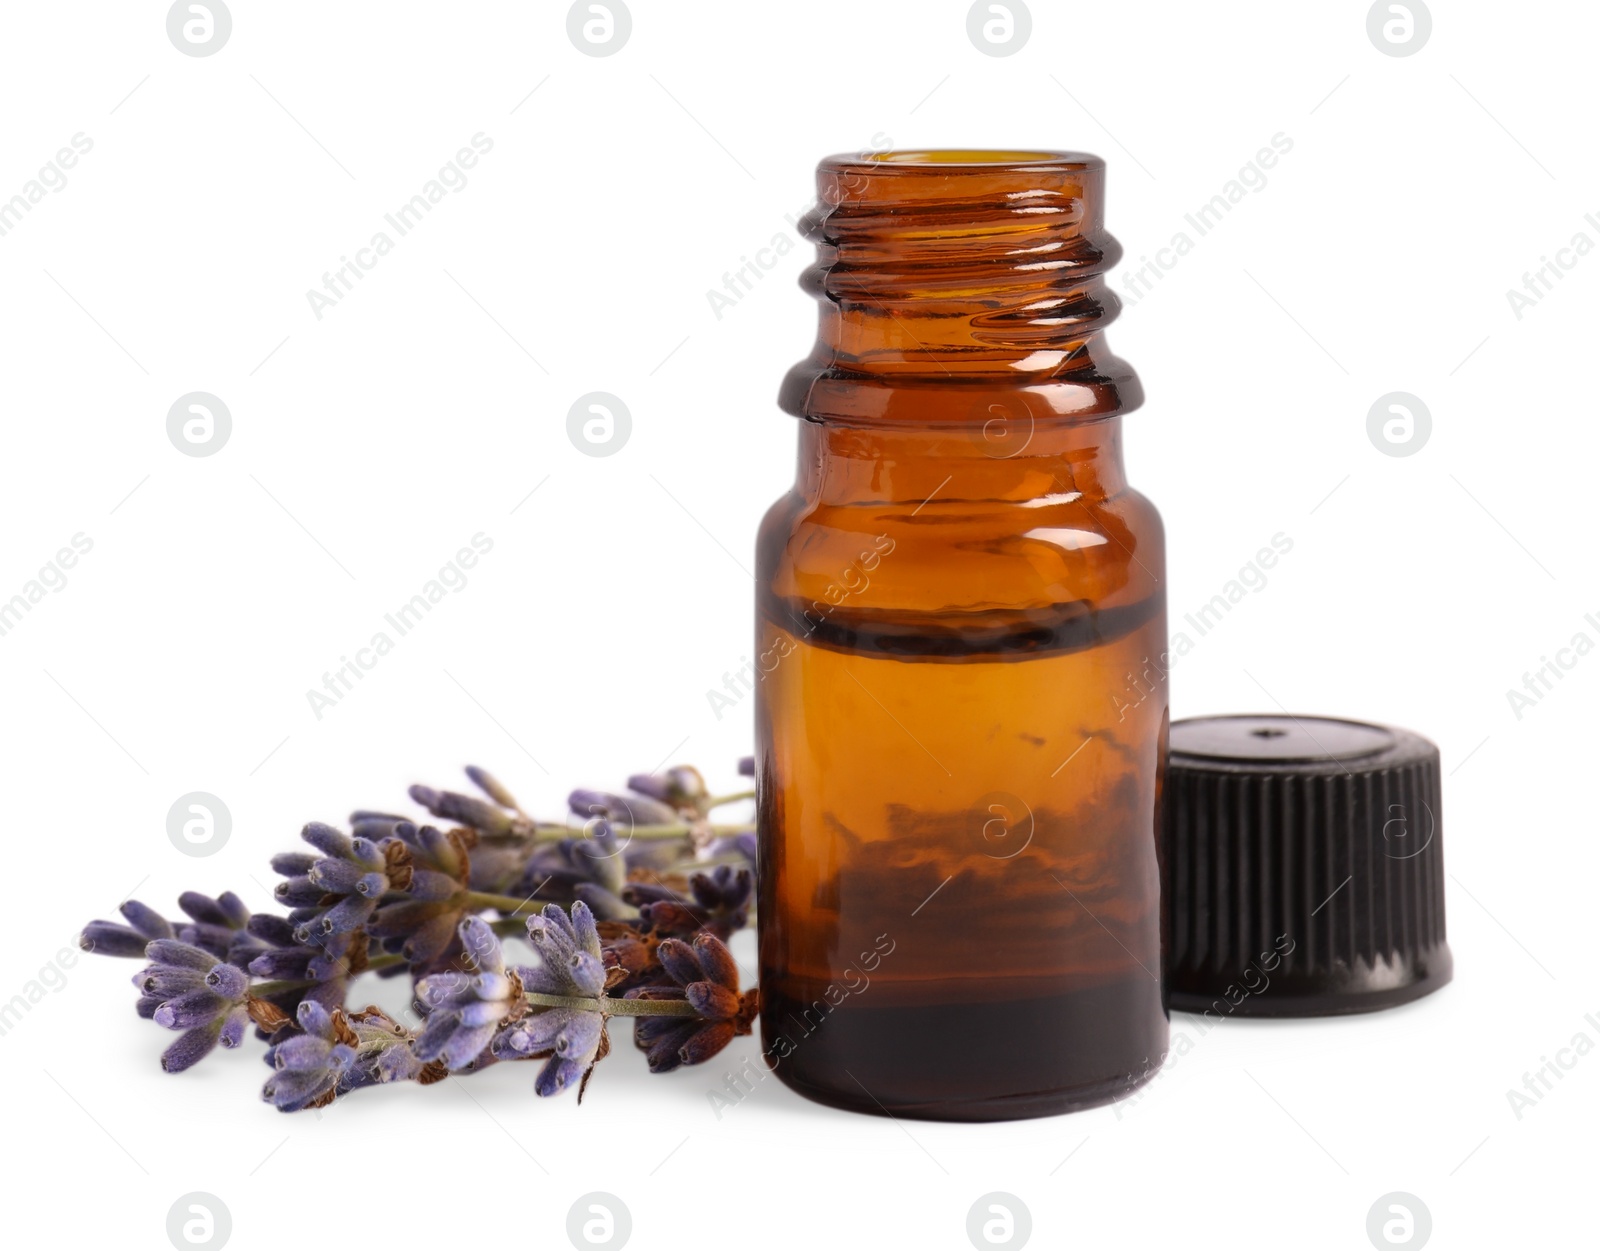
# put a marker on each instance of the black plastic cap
(1302, 867)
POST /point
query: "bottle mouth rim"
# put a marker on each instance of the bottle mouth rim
(946, 160)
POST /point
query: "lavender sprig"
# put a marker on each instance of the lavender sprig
(608, 919)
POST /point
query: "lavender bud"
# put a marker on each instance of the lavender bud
(557, 1075)
(235, 1027)
(346, 915)
(375, 828)
(165, 981)
(678, 959)
(270, 929)
(706, 1041)
(372, 885)
(487, 783)
(717, 961)
(146, 920)
(106, 938)
(193, 1047)
(665, 1053)
(198, 1007)
(580, 1035)
(293, 863)
(298, 892)
(304, 1051)
(337, 877)
(326, 839)
(285, 965)
(227, 911)
(449, 806)
(314, 1019)
(228, 981)
(171, 951)
(712, 1001)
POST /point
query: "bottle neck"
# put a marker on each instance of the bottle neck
(950, 282)
(1010, 460)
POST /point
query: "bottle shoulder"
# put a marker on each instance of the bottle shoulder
(964, 554)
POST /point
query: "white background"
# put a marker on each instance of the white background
(369, 445)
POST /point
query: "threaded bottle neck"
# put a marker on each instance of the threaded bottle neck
(948, 278)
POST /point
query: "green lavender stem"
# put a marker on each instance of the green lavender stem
(612, 1007)
(505, 903)
(555, 833)
(616, 1007)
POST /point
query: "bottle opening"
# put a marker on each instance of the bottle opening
(969, 156)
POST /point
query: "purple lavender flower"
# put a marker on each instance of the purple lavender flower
(747, 766)
(465, 1010)
(335, 1052)
(569, 951)
(309, 1066)
(107, 938)
(708, 978)
(592, 869)
(572, 1037)
(215, 924)
(269, 949)
(187, 988)
(421, 922)
(384, 1053)
(720, 903)
(336, 892)
(411, 888)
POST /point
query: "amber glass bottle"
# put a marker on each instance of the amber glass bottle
(962, 711)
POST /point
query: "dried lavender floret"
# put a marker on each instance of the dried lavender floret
(421, 923)
(465, 1010)
(338, 891)
(708, 979)
(187, 988)
(572, 1038)
(719, 903)
(309, 1066)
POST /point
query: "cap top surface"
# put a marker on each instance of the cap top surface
(1275, 739)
